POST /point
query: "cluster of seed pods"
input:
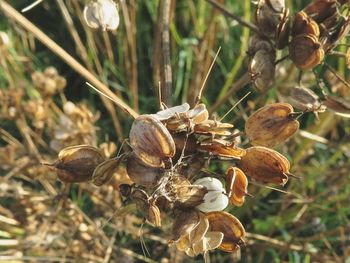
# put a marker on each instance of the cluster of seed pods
(169, 150)
(309, 35)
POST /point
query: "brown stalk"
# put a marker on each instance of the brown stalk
(10, 12)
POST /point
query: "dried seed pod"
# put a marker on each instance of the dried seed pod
(151, 141)
(262, 69)
(77, 163)
(185, 221)
(265, 165)
(184, 142)
(221, 148)
(191, 166)
(340, 106)
(271, 125)
(198, 114)
(236, 185)
(142, 174)
(266, 17)
(276, 5)
(230, 226)
(148, 208)
(283, 31)
(320, 10)
(215, 199)
(102, 14)
(105, 171)
(305, 99)
(306, 51)
(210, 241)
(304, 25)
(184, 194)
(172, 112)
(213, 127)
(257, 43)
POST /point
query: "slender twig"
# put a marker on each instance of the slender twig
(167, 86)
(10, 12)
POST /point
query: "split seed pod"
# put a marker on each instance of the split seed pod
(265, 165)
(305, 99)
(320, 10)
(221, 148)
(142, 174)
(105, 171)
(338, 105)
(151, 141)
(102, 14)
(236, 185)
(271, 125)
(306, 51)
(304, 25)
(213, 127)
(230, 226)
(77, 163)
(210, 241)
(172, 112)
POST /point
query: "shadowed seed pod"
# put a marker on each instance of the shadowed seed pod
(283, 31)
(320, 10)
(213, 127)
(272, 125)
(338, 105)
(151, 141)
(221, 148)
(236, 185)
(77, 163)
(142, 174)
(184, 142)
(230, 226)
(105, 171)
(265, 165)
(102, 14)
(305, 99)
(304, 25)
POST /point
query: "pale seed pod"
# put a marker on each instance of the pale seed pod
(306, 51)
(77, 163)
(215, 199)
(271, 125)
(213, 127)
(236, 186)
(151, 141)
(210, 241)
(104, 172)
(305, 99)
(230, 226)
(265, 165)
(168, 113)
(142, 174)
(102, 14)
(221, 148)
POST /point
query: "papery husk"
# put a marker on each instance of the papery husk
(171, 112)
(271, 125)
(305, 99)
(77, 163)
(185, 221)
(339, 106)
(105, 171)
(230, 226)
(236, 185)
(151, 141)
(265, 165)
(221, 148)
(303, 24)
(213, 127)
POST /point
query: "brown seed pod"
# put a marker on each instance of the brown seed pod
(262, 69)
(211, 240)
(192, 166)
(305, 99)
(236, 185)
(181, 140)
(142, 174)
(306, 51)
(283, 31)
(213, 127)
(185, 221)
(338, 105)
(221, 148)
(77, 163)
(257, 43)
(265, 165)
(230, 226)
(268, 16)
(105, 171)
(180, 191)
(320, 10)
(304, 25)
(271, 125)
(151, 141)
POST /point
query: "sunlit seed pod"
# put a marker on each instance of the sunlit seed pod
(153, 215)
(339, 106)
(271, 125)
(104, 172)
(305, 99)
(283, 31)
(102, 14)
(198, 114)
(213, 127)
(306, 51)
(304, 25)
(183, 243)
(185, 221)
(320, 10)
(210, 241)
(230, 226)
(262, 69)
(184, 194)
(200, 229)
(221, 148)
(215, 199)
(172, 112)
(236, 186)
(151, 141)
(142, 174)
(265, 165)
(77, 163)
